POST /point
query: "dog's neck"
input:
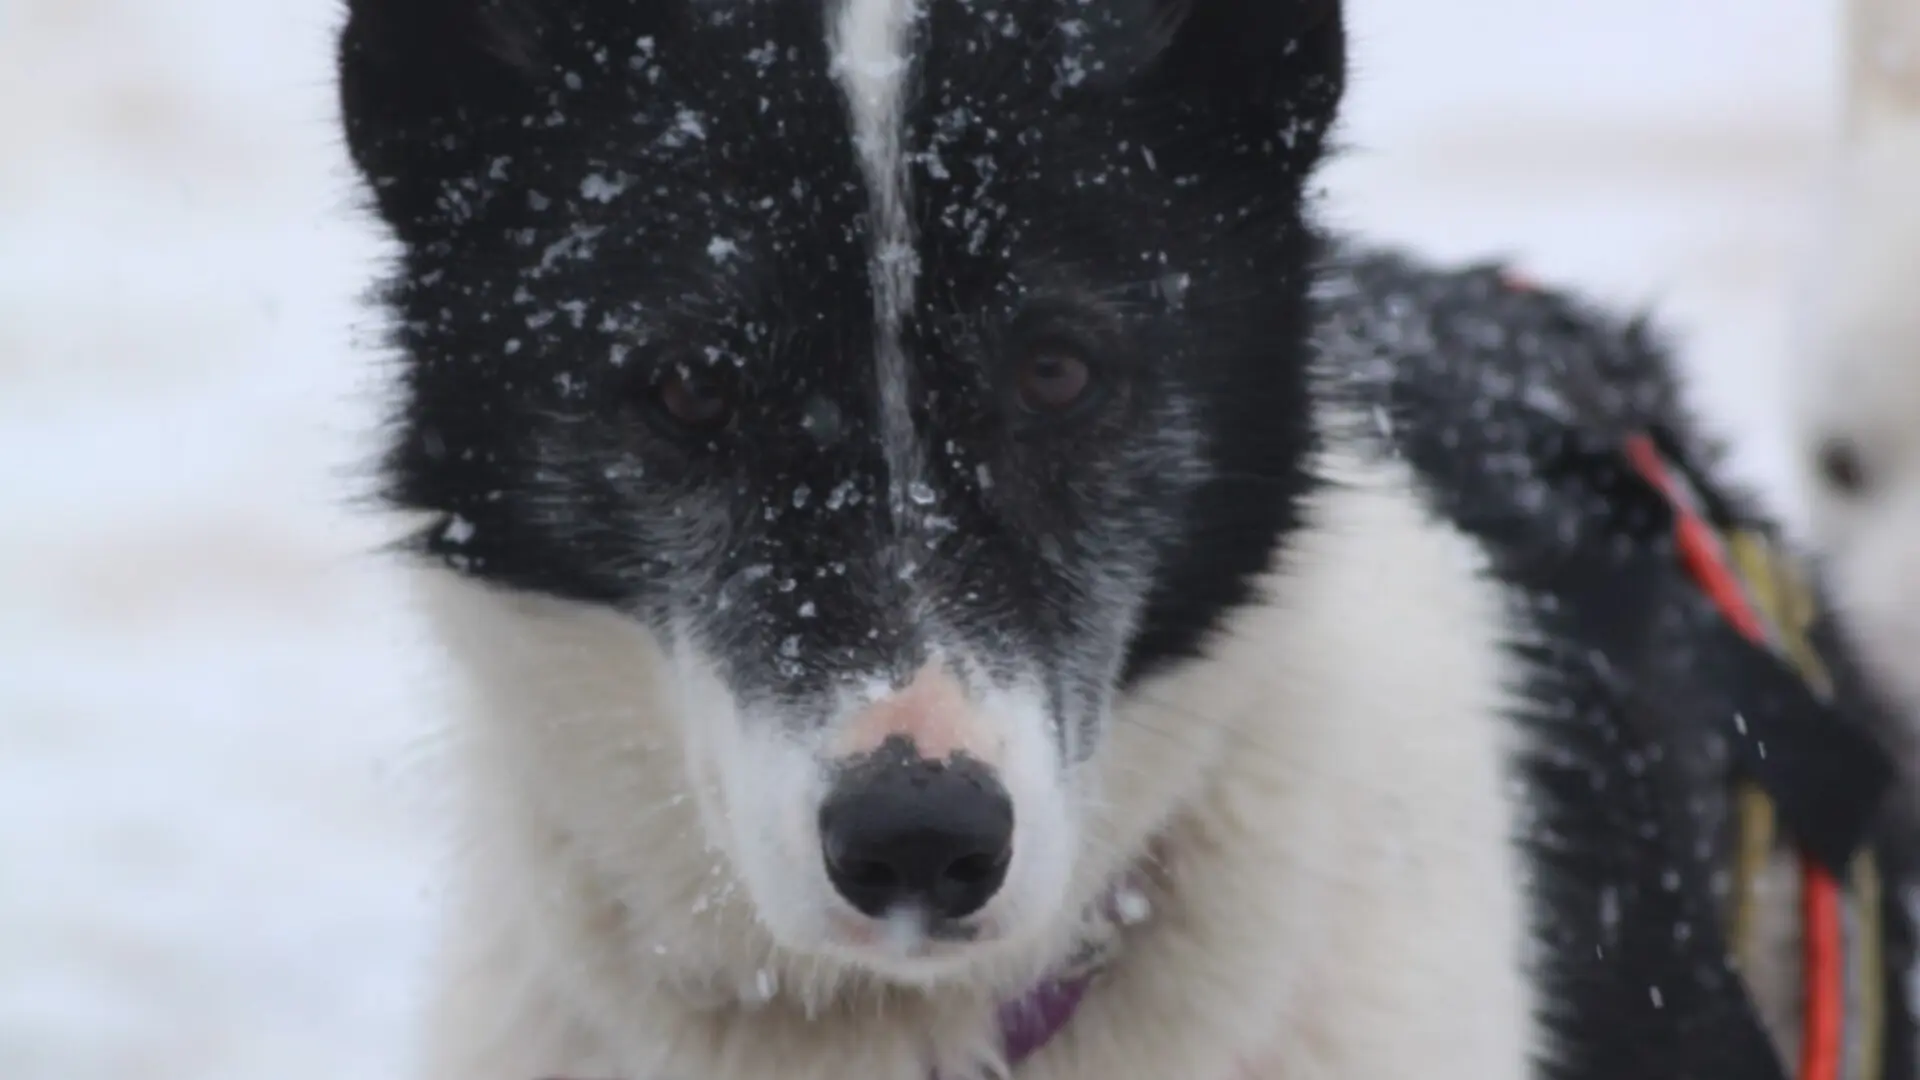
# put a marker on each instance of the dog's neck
(1030, 1021)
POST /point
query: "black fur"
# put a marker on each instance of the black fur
(1511, 404)
(595, 194)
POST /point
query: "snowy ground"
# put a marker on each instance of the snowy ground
(215, 721)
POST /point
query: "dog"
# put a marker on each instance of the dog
(1856, 396)
(955, 575)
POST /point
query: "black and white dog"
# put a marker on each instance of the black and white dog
(958, 578)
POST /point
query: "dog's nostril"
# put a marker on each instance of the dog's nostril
(868, 874)
(972, 869)
(909, 832)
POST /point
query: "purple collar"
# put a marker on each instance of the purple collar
(1029, 1023)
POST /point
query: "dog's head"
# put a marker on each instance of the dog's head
(917, 376)
(1856, 394)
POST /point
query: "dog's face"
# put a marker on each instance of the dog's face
(1856, 401)
(917, 375)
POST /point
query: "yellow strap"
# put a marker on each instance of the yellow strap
(1869, 968)
(1786, 602)
(1753, 849)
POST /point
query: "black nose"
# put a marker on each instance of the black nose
(900, 830)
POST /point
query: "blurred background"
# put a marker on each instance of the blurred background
(217, 724)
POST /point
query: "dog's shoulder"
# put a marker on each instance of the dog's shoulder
(1489, 383)
(1554, 434)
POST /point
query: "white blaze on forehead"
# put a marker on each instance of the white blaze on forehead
(871, 45)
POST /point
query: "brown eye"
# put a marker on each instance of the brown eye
(1841, 468)
(1053, 378)
(693, 401)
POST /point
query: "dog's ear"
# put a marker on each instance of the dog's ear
(439, 97)
(1284, 59)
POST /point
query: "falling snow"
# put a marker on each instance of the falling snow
(188, 737)
(458, 530)
(603, 189)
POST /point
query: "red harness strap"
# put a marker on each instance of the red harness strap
(1822, 937)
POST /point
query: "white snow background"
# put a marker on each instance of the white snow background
(216, 721)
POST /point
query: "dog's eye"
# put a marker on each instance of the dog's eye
(697, 402)
(1841, 468)
(1053, 377)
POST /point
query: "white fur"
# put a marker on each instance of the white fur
(1323, 804)
(754, 780)
(1858, 369)
(870, 44)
